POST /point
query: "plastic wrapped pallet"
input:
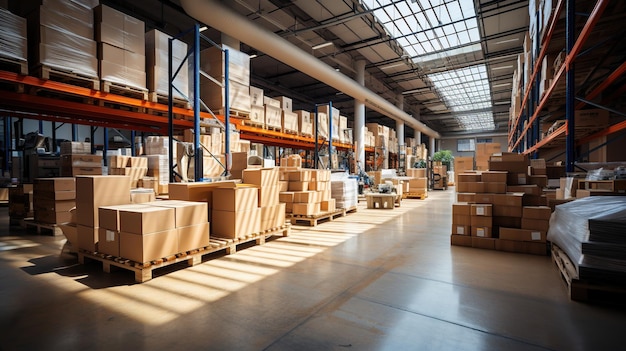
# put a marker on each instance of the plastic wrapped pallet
(345, 190)
(12, 36)
(158, 61)
(570, 230)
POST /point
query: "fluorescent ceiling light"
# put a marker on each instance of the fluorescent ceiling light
(502, 103)
(323, 45)
(501, 67)
(506, 41)
(501, 85)
(253, 56)
(392, 65)
(202, 29)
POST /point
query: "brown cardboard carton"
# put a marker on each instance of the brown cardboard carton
(328, 205)
(484, 243)
(507, 211)
(535, 200)
(495, 188)
(44, 204)
(298, 186)
(87, 238)
(148, 247)
(229, 224)
(272, 216)
(54, 184)
(269, 196)
(418, 183)
(306, 209)
(108, 242)
(307, 196)
(238, 198)
(416, 172)
(201, 192)
(118, 161)
(461, 209)
(526, 189)
(52, 217)
(302, 175)
(283, 186)
(461, 240)
(517, 179)
(469, 177)
(320, 186)
(522, 234)
(71, 233)
(109, 216)
(481, 210)
(537, 212)
(481, 221)
(539, 180)
(461, 229)
(509, 199)
(147, 219)
(464, 220)
(536, 224)
(320, 175)
(193, 237)
(482, 232)
(494, 176)
(526, 247)
(510, 166)
(261, 177)
(187, 213)
(465, 197)
(507, 221)
(95, 191)
(481, 198)
(286, 196)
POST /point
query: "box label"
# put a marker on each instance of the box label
(460, 230)
(480, 232)
(535, 236)
(110, 235)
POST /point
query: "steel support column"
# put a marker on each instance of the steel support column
(570, 89)
(359, 119)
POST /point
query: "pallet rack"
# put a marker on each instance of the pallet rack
(524, 129)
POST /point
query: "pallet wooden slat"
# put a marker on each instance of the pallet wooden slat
(143, 271)
(124, 90)
(313, 220)
(66, 76)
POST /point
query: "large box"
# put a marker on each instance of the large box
(54, 184)
(237, 198)
(95, 191)
(300, 176)
(592, 118)
(522, 234)
(494, 176)
(328, 205)
(187, 213)
(272, 216)
(148, 247)
(484, 243)
(537, 212)
(536, 224)
(237, 224)
(87, 238)
(461, 240)
(157, 63)
(481, 210)
(146, 219)
(119, 29)
(309, 196)
(269, 196)
(109, 216)
(193, 237)
(108, 241)
(306, 209)
(261, 177)
(202, 192)
(418, 183)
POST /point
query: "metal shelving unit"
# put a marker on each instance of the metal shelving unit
(525, 129)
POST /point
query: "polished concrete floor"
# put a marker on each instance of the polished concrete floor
(374, 280)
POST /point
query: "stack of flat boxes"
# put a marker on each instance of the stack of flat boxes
(461, 165)
(157, 151)
(309, 191)
(418, 182)
(273, 113)
(272, 210)
(289, 119)
(14, 43)
(305, 123)
(134, 167)
(324, 112)
(531, 237)
(212, 61)
(121, 48)
(53, 199)
(93, 192)
(80, 164)
(484, 152)
(59, 27)
(153, 230)
(157, 63)
(235, 211)
(345, 192)
(257, 109)
(21, 201)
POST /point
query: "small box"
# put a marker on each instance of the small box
(461, 240)
(461, 229)
(494, 176)
(261, 177)
(328, 205)
(481, 210)
(481, 232)
(141, 219)
(193, 237)
(237, 198)
(298, 186)
(522, 234)
(306, 209)
(461, 209)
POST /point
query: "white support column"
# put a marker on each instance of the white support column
(359, 118)
(418, 134)
(400, 132)
(432, 146)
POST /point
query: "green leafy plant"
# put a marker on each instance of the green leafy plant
(445, 156)
(420, 164)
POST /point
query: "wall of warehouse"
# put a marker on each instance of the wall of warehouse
(451, 144)
(65, 131)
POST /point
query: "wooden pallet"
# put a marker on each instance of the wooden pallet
(253, 124)
(235, 112)
(44, 228)
(314, 220)
(143, 271)
(585, 291)
(124, 90)
(14, 65)
(292, 132)
(63, 76)
(274, 128)
(420, 196)
(153, 96)
(352, 209)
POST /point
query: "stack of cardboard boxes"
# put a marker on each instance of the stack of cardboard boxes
(212, 61)
(134, 167)
(76, 159)
(273, 113)
(308, 191)
(418, 182)
(121, 48)
(345, 191)
(157, 150)
(21, 201)
(157, 62)
(53, 200)
(235, 211)
(305, 122)
(267, 182)
(14, 45)
(289, 119)
(257, 109)
(484, 152)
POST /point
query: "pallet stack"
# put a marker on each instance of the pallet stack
(14, 45)
(267, 182)
(289, 118)
(121, 49)
(157, 62)
(53, 200)
(235, 211)
(76, 159)
(257, 107)
(308, 191)
(134, 167)
(212, 61)
(417, 183)
(305, 123)
(157, 150)
(21, 201)
(484, 152)
(345, 191)
(273, 113)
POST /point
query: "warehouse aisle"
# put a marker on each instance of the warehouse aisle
(373, 280)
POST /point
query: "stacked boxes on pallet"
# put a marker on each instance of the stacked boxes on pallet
(308, 191)
(157, 151)
(257, 108)
(418, 182)
(121, 48)
(21, 201)
(345, 190)
(305, 123)
(289, 119)
(484, 152)
(13, 29)
(322, 121)
(134, 167)
(157, 63)
(60, 27)
(235, 211)
(93, 192)
(212, 61)
(273, 113)
(267, 182)
(53, 199)
(76, 159)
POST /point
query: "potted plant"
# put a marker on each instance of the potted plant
(445, 157)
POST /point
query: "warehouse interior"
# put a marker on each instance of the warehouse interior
(272, 174)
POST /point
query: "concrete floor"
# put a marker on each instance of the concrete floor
(374, 280)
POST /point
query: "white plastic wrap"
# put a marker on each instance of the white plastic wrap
(67, 52)
(12, 36)
(158, 61)
(344, 189)
(212, 62)
(67, 16)
(122, 66)
(119, 29)
(569, 227)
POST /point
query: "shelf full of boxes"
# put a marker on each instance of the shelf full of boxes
(538, 117)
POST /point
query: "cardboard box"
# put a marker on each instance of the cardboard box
(507, 211)
(522, 234)
(146, 219)
(471, 187)
(482, 232)
(231, 225)
(591, 118)
(509, 199)
(495, 188)
(187, 213)
(458, 229)
(494, 176)
(54, 184)
(201, 192)
(87, 238)
(306, 209)
(269, 196)
(418, 183)
(109, 216)
(517, 179)
(320, 175)
(95, 191)
(469, 177)
(193, 237)
(481, 221)
(461, 240)
(461, 209)
(71, 233)
(272, 216)
(539, 180)
(536, 224)
(537, 212)
(507, 221)
(526, 189)
(464, 220)
(261, 177)
(298, 186)
(481, 210)
(141, 197)
(484, 198)
(109, 242)
(237, 198)
(465, 197)
(307, 197)
(43, 204)
(484, 243)
(535, 200)
(148, 247)
(513, 167)
(329, 205)
(416, 172)
(286, 196)
(52, 217)
(300, 176)
(526, 247)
